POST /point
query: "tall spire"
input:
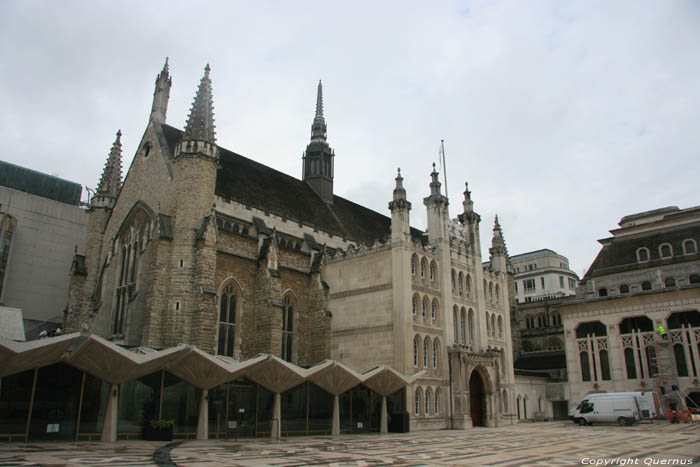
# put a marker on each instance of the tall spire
(317, 162)
(161, 94)
(399, 200)
(111, 180)
(318, 128)
(200, 123)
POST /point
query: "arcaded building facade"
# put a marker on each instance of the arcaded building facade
(201, 246)
(645, 276)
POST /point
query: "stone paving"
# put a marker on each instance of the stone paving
(550, 444)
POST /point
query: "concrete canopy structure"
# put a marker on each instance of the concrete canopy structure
(115, 365)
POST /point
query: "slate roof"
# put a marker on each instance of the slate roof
(256, 185)
(620, 254)
(40, 184)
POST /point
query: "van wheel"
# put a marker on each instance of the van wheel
(582, 421)
(622, 421)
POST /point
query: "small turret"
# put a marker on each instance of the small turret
(400, 207)
(317, 161)
(498, 250)
(161, 95)
(470, 219)
(199, 138)
(436, 205)
(111, 180)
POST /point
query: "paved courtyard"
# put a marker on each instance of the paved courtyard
(555, 443)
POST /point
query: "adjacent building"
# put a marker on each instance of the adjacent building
(41, 225)
(646, 276)
(541, 275)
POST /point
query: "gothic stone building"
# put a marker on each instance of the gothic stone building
(202, 246)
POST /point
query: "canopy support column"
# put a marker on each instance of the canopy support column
(203, 420)
(336, 416)
(384, 418)
(109, 427)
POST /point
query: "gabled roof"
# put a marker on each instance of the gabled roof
(256, 185)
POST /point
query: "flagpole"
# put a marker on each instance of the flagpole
(444, 165)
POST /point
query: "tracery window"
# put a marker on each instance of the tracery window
(227, 322)
(426, 353)
(288, 329)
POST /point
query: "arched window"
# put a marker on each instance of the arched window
(425, 308)
(416, 344)
(454, 286)
(585, 368)
(694, 279)
(505, 401)
(433, 309)
(498, 294)
(669, 282)
(288, 329)
(414, 305)
(624, 289)
(433, 270)
(518, 406)
(471, 326)
(227, 322)
(422, 268)
(462, 326)
(665, 250)
(417, 411)
(437, 402)
(455, 323)
(414, 266)
(427, 402)
(436, 352)
(488, 325)
(469, 285)
(689, 246)
(646, 285)
(426, 353)
(500, 327)
(460, 283)
(554, 344)
(491, 292)
(642, 254)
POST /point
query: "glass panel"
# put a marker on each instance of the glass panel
(92, 413)
(230, 339)
(266, 402)
(181, 404)
(585, 369)
(629, 363)
(55, 409)
(232, 309)
(15, 392)
(243, 409)
(605, 365)
(681, 366)
(222, 310)
(217, 411)
(139, 403)
(360, 409)
(321, 410)
(294, 411)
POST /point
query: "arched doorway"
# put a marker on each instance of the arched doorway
(477, 400)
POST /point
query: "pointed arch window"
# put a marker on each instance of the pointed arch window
(288, 329)
(422, 268)
(426, 353)
(432, 271)
(437, 401)
(417, 404)
(427, 402)
(413, 265)
(425, 308)
(415, 352)
(436, 347)
(433, 309)
(414, 305)
(228, 303)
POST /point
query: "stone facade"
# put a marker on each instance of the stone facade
(202, 246)
(646, 275)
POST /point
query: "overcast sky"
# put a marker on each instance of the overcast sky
(562, 116)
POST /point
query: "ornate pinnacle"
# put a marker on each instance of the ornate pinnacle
(111, 180)
(318, 128)
(200, 123)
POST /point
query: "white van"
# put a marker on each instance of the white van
(623, 408)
